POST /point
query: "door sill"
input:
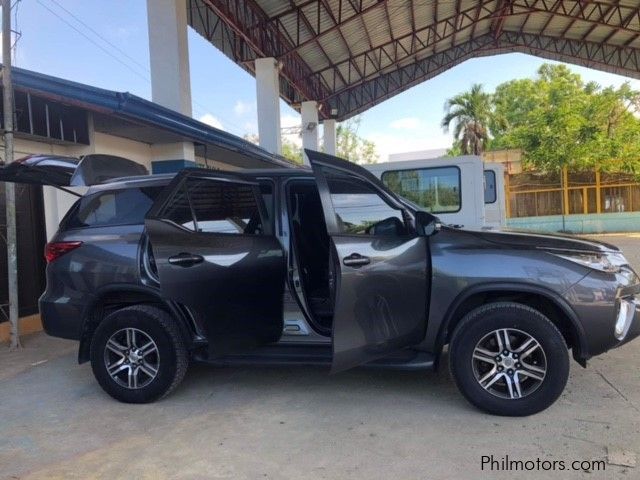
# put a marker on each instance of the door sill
(320, 356)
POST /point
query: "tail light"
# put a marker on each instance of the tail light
(55, 250)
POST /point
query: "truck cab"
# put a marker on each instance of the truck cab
(462, 191)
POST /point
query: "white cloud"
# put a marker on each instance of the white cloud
(406, 123)
(121, 32)
(287, 120)
(251, 127)
(209, 119)
(241, 108)
(388, 143)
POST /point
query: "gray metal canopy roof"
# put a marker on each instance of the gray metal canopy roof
(352, 54)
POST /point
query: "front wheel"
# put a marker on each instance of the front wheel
(509, 359)
(138, 354)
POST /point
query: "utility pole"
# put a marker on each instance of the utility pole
(10, 192)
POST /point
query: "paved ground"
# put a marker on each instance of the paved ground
(293, 423)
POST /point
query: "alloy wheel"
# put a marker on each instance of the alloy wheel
(131, 358)
(509, 363)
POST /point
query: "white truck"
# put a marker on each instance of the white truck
(462, 191)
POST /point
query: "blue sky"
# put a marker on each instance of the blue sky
(223, 94)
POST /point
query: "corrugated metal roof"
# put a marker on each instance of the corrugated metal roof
(352, 54)
(140, 111)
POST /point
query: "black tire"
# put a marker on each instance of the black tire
(172, 356)
(478, 326)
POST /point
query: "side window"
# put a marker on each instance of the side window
(489, 186)
(112, 207)
(361, 210)
(210, 206)
(437, 190)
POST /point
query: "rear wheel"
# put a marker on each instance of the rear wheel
(509, 359)
(138, 354)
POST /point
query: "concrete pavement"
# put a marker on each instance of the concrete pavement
(301, 423)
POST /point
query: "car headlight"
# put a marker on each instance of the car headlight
(609, 262)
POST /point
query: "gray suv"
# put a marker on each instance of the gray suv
(321, 266)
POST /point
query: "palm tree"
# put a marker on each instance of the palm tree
(469, 112)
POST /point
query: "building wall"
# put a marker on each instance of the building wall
(579, 224)
(57, 202)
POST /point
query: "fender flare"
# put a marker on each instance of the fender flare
(188, 327)
(581, 355)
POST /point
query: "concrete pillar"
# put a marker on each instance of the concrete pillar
(268, 102)
(329, 137)
(169, 54)
(170, 79)
(309, 112)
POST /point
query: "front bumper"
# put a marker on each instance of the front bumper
(608, 311)
(627, 326)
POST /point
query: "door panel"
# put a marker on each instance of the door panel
(380, 305)
(233, 282)
(381, 264)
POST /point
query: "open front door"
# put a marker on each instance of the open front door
(215, 253)
(381, 265)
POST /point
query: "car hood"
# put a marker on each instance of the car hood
(516, 239)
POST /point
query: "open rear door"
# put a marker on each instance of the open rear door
(59, 171)
(215, 253)
(381, 265)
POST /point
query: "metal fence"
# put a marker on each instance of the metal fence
(531, 194)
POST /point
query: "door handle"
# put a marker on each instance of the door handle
(185, 259)
(356, 260)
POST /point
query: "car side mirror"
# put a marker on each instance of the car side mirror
(391, 226)
(427, 224)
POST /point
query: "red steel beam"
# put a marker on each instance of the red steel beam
(625, 61)
(446, 25)
(346, 21)
(267, 42)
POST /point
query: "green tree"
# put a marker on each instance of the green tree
(291, 151)
(455, 150)
(557, 120)
(469, 113)
(351, 146)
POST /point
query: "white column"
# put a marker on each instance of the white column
(268, 102)
(309, 112)
(170, 79)
(329, 136)
(169, 54)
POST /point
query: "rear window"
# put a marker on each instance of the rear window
(112, 207)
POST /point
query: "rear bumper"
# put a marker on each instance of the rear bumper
(62, 316)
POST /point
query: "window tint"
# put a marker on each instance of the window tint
(489, 186)
(112, 207)
(437, 190)
(210, 206)
(361, 210)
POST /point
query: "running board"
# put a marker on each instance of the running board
(320, 356)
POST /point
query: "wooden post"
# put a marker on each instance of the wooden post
(507, 188)
(598, 192)
(565, 190)
(585, 200)
(12, 253)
